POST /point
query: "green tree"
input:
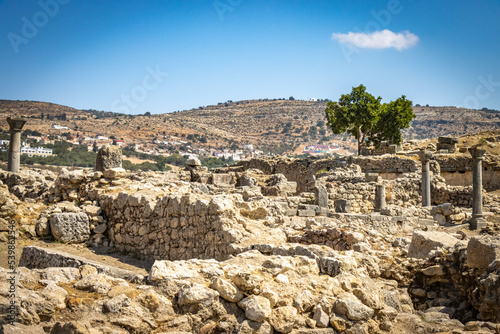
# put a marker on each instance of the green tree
(364, 117)
(394, 116)
(355, 113)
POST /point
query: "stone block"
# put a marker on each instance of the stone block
(306, 213)
(70, 227)
(291, 212)
(223, 180)
(321, 196)
(114, 173)
(448, 140)
(422, 243)
(372, 177)
(109, 156)
(482, 250)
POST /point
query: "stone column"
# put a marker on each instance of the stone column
(477, 221)
(15, 124)
(379, 197)
(425, 157)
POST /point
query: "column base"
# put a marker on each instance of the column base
(478, 223)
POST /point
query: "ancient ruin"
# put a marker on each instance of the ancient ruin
(349, 245)
(15, 125)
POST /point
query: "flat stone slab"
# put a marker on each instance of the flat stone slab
(307, 213)
(34, 257)
(426, 222)
(457, 227)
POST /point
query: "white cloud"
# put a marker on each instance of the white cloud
(384, 39)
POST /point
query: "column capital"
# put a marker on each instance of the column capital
(16, 124)
(477, 152)
(425, 156)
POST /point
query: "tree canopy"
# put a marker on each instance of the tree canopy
(367, 119)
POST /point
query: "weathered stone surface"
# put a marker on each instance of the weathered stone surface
(253, 327)
(353, 309)
(22, 329)
(223, 180)
(437, 270)
(43, 227)
(248, 282)
(256, 308)
(321, 317)
(283, 319)
(483, 250)
(227, 290)
(114, 173)
(115, 304)
(321, 196)
(109, 156)
(197, 294)
(193, 162)
(55, 295)
(70, 227)
(97, 283)
(423, 243)
(168, 270)
(72, 327)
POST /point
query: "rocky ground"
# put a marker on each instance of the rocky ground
(245, 251)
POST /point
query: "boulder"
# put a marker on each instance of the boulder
(353, 309)
(227, 290)
(115, 304)
(321, 317)
(70, 227)
(283, 319)
(482, 250)
(43, 227)
(109, 156)
(197, 294)
(114, 173)
(257, 308)
(422, 243)
(193, 162)
(168, 270)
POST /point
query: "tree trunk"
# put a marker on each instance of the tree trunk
(359, 141)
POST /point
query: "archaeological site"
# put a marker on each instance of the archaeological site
(405, 241)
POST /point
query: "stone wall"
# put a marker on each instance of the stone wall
(172, 227)
(457, 171)
(304, 171)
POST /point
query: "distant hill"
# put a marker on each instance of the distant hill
(278, 126)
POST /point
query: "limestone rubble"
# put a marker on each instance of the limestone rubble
(261, 247)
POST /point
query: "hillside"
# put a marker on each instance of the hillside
(278, 126)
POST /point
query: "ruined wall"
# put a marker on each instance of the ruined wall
(304, 171)
(457, 171)
(172, 227)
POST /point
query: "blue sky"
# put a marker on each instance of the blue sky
(162, 56)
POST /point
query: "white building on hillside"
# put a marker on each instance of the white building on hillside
(36, 151)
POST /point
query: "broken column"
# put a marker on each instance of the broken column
(477, 221)
(108, 156)
(379, 197)
(16, 125)
(321, 198)
(425, 157)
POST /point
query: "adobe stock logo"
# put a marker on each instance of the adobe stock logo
(30, 28)
(223, 6)
(482, 92)
(139, 93)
